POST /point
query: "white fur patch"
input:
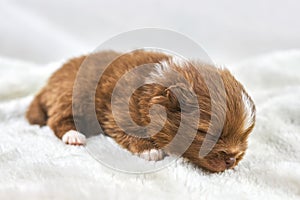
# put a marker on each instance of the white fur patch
(152, 155)
(161, 68)
(249, 109)
(165, 66)
(179, 62)
(74, 138)
(158, 72)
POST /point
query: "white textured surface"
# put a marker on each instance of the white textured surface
(34, 164)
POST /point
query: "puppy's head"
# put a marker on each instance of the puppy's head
(232, 137)
(223, 133)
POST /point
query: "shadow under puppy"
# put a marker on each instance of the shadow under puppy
(229, 127)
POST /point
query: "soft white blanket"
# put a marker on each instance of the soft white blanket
(34, 164)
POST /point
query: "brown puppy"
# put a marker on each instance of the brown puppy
(53, 107)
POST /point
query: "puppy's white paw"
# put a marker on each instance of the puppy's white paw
(74, 138)
(152, 155)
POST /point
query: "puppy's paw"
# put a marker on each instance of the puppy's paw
(152, 154)
(74, 138)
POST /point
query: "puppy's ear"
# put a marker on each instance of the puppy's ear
(179, 97)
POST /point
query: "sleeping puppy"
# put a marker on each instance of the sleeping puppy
(52, 106)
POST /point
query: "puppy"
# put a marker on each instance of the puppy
(166, 82)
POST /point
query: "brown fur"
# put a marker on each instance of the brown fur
(53, 106)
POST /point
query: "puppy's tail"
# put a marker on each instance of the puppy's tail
(35, 113)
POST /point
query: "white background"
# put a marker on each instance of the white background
(45, 31)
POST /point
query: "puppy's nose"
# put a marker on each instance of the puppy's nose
(229, 162)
